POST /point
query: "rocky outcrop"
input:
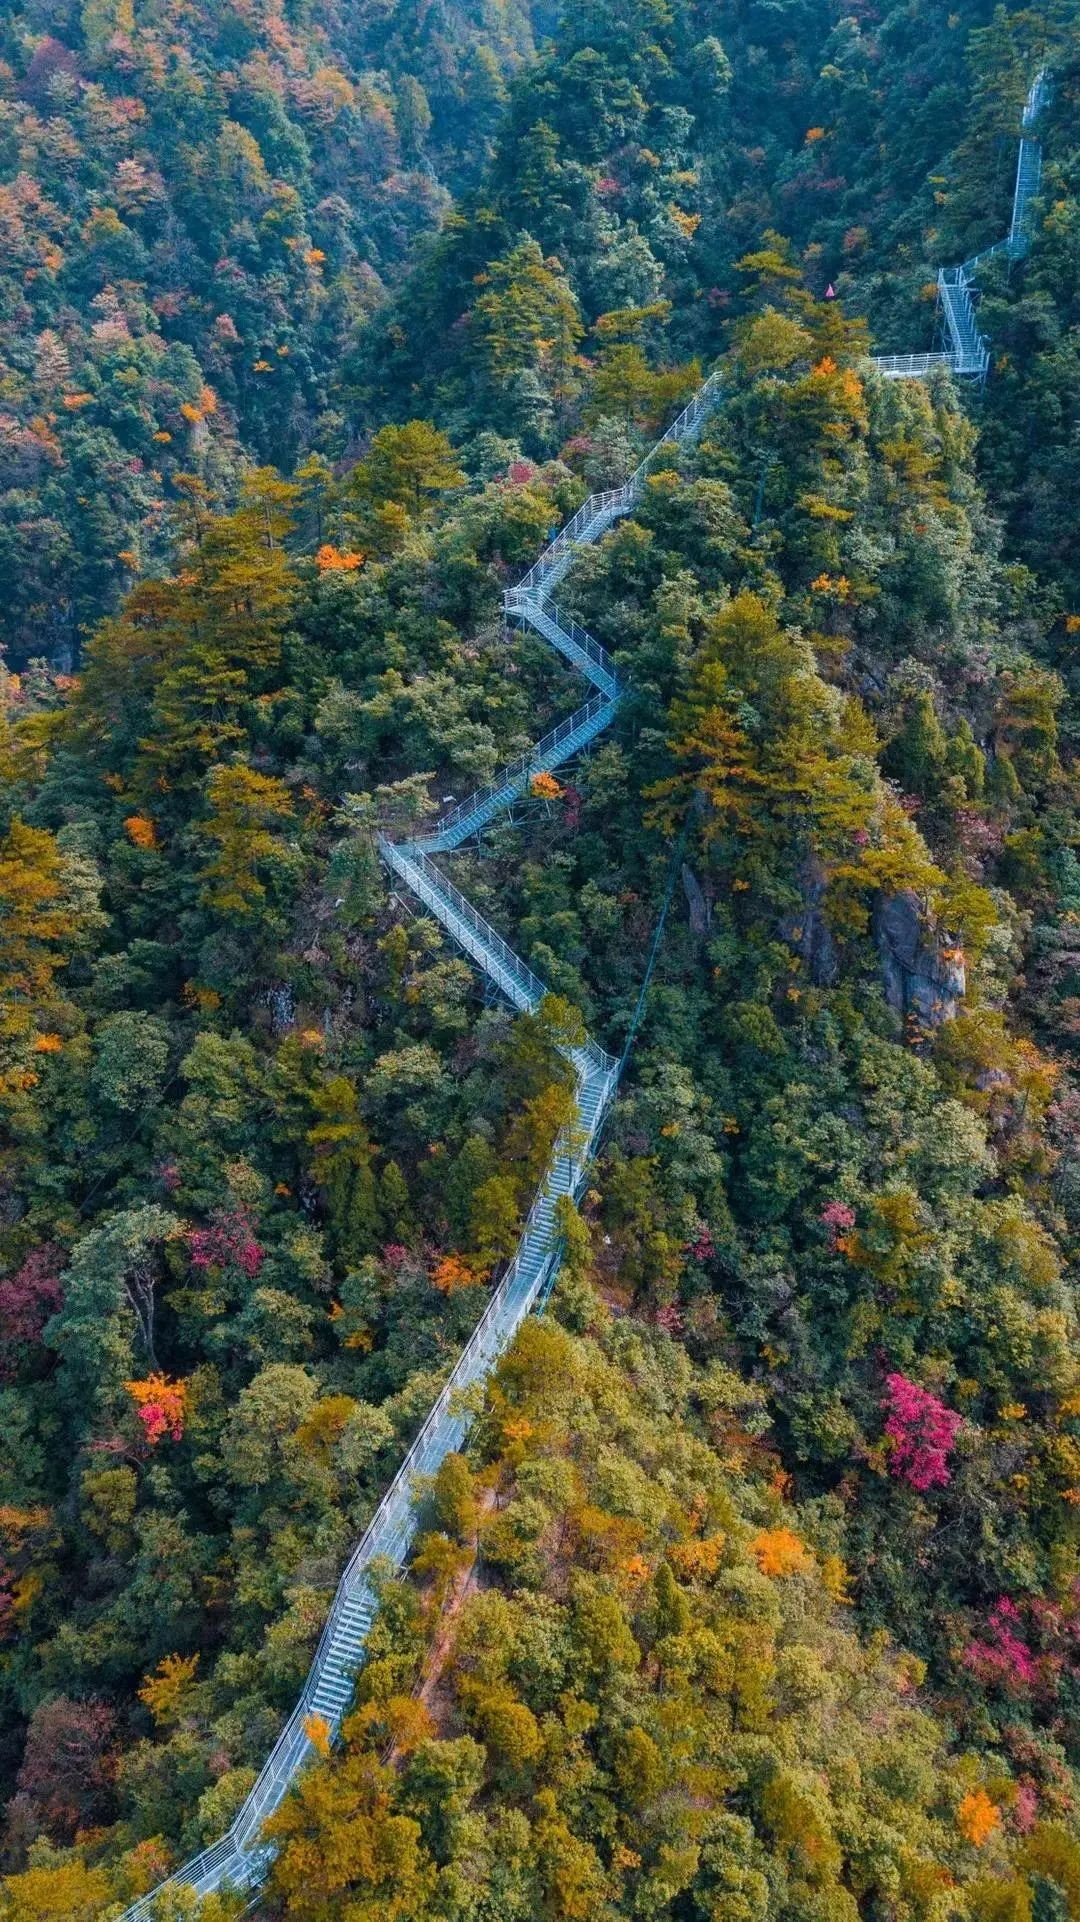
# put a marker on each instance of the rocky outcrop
(923, 972)
(808, 932)
(700, 908)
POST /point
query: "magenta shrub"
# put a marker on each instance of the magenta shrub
(229, 1242)
(921, 1431)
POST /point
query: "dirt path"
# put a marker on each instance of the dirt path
(466, 1583)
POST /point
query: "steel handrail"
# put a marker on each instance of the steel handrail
(236, 1858)
(621, 499)
(533, 760)
(518, 600)
(385, 1535)
(970, 349)
(412, 855)
(390, 1528)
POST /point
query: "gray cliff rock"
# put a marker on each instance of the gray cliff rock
(923, 972)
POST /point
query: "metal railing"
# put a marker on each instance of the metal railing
(910, 366)
(563, 632)
(550, 751)
(1028, 182)
(233, 1860)
(471, 932)
(970, 354)
(239, 1860)
(477, 936)
(597, 512)
(1038, 98)
(972, 265)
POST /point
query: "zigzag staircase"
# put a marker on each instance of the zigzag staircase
(240, 1859)
(969, 353)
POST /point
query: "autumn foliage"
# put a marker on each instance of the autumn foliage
(921, 1432)
(161, 1405)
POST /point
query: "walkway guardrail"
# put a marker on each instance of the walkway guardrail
(237, 1859)
(241, 1858)
(469, 929)
(969, 356)
(564, 633)
(971, 353)
(910, 366)
(469, 816)
(596, 513)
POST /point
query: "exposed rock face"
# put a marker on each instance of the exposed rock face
(923, 973)
(700, 908)
(808, 932)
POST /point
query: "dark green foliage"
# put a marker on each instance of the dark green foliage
(263, 1142)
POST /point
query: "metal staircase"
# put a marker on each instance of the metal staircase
(241, 1858)
(969, 353)
(569, 738)
(572, 641)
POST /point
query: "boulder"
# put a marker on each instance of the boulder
(700, 908)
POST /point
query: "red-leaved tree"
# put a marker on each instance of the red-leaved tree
(28, 1298)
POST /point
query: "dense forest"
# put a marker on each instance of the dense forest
(200, 208)
(756, 1595)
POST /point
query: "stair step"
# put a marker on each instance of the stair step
(332, 1686)
(332, 1699)
(335, 1689)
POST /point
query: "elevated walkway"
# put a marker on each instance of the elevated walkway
(553, 750)
(240, 1859)
(968, 354)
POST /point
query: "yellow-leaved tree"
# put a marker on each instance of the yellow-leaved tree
(246, 812)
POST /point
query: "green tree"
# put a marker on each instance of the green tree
(408, 466)
(105, 1330)
(526, 319)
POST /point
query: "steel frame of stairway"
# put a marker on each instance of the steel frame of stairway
(241, 1858)
(969, 354)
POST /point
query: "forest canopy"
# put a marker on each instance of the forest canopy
(754, 1595)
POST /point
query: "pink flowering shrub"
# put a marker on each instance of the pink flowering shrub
(669, 1319)
(1025, 1808)
(921, 1431)
(703, 1247)
(1001, 1655)
(160, 1405)
(158, 1420)
(838, 1220)
(229, 1242)
(27, 1300)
